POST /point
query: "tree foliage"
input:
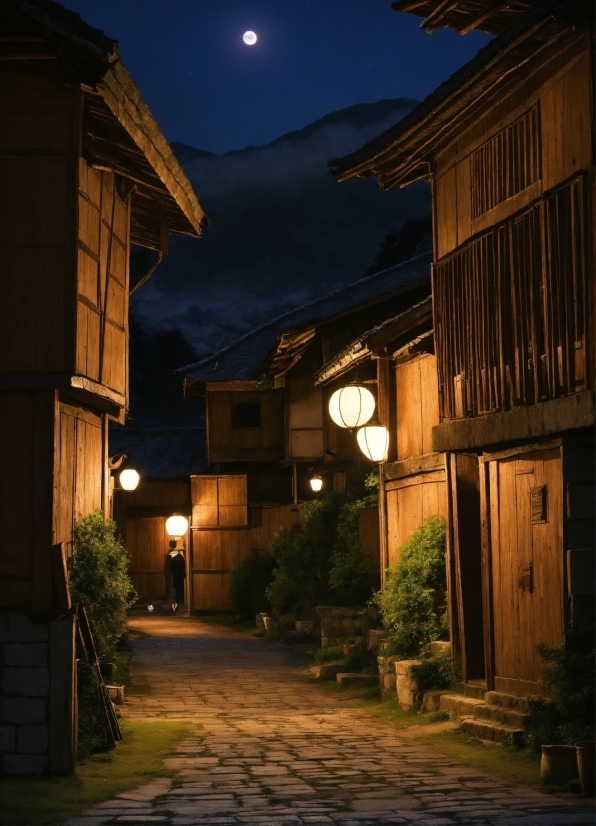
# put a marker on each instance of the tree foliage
(400, 245)
(99, 579)
(412, 603)
(249, 582)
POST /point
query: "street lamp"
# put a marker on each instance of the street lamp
(351, 406)
(316, 483)
(176, 526)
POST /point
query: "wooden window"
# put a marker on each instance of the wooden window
(246, 415)
(512, 309)
(507, 163)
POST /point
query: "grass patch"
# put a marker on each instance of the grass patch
(50, 800)
(519, 766)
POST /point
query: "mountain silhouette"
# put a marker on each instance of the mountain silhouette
(283, 231)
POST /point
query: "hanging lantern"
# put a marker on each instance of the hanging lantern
(373, 441)
(352, 406)
(316, 483)
(176, 526)
(129, 479)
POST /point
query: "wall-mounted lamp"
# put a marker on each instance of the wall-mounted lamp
(316, 483)
(129, 479)
(373, 441)
(351, 406)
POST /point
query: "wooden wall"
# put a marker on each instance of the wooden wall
(417, 406)
(147, 543)
(368, 533)
(306, 425)
(239, 444)
(410, 501)
(546, 121)
(38, 168)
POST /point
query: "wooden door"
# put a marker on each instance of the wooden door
(526, 564)
(214, 554)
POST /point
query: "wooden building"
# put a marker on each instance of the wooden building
(508, 143)
(85, 172)
(267, 421)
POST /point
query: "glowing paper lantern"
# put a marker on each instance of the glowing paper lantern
(129, 479)
(351, 406)
(373, 441)
(176, 526)
(316, 483)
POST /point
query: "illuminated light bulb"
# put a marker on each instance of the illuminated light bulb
(316, 483)
(373, 441)
(352, 406)
(176, 526)
(129, 479)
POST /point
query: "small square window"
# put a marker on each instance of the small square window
(246, 415)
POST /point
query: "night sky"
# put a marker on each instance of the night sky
(208, 89)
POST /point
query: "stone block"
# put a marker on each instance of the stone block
(116, 693)
(338, 612)
(29, 682)
(32, 739)
(431, 700)
(326, 671)
(24, 710)
(375, 636)
(406, 687)
(7, 739)
(19, 765)
(21, 629)
(356, 680)
(33, 654)
(440, 648)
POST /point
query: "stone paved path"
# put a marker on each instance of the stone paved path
(274, 750)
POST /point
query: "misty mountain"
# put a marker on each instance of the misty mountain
(283, 230)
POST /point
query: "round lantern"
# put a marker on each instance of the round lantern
(373, 441)
(176, 526)
(316, 483)
(352, 406)
(129, 479)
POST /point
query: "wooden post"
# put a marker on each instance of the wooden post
(63, 707)
(384, 545)
(44, 406)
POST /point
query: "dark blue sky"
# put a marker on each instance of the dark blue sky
(206, 88)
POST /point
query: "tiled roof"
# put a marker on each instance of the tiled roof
(243, 359)
(161, 453)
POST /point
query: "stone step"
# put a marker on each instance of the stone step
(357, 680)
(500, 714)
(492, 732)
(497, 698)
(475, 688)
(457, 706)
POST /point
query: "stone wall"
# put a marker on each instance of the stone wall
(37, 726)
(338, 625)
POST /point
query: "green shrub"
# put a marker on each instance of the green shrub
(329, 654)
(91, 728)
(99, 580)
(411, 605)
(248, 587)
(569, 674)
(323, 563)
(432, 674)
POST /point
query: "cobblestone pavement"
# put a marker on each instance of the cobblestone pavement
(275, 750)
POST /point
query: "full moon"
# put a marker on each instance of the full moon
(249, 38)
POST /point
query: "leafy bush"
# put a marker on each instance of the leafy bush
(329, 654)
(91, 735)
(411, 604)
(249, 583)
(431, 674)
(569, 674)
(322, 563)
(99, 580)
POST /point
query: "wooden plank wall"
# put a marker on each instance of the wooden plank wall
(80, 473)
(368, 533)
(236, 444)
(410, 501)
(306, 426)
(38, 169)
(219, 501)
(102, 301)
(417, 406)
(148, 544)
(545, 124)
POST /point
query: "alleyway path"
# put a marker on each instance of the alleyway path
(275, 750)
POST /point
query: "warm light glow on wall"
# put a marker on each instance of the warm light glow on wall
(373, 441)
(129, 479)
(351, 406)
(176, 526)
